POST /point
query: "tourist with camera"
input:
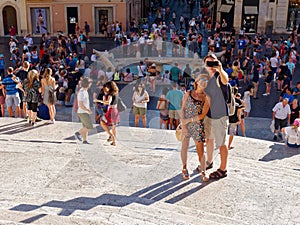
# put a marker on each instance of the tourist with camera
(216, 121)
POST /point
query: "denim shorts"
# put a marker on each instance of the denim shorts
(12, 100)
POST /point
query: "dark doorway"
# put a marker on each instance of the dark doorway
(9, 18)
(72, 18)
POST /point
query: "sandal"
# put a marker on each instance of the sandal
(185, 174)
(197, 170)
(109, 139)
(205, 178)
(218, 174)
(113, 139)
(209, 165)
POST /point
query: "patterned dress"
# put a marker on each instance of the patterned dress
(195, 129)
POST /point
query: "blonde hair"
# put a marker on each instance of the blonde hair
(47, 74)
(32, 76)
(26, 65)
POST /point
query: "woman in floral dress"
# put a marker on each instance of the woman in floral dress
(195, 105)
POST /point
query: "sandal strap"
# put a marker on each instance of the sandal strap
(222, 172)
(218, 174)
(198, 170)
(185, 173)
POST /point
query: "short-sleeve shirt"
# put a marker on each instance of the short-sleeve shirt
(280, 111)
(10, 85)
(291, 66)
(175, 98)
(218, 107)
(241, 44)
(274, 62)
(290, 97)
(84, 97)
(175, 71)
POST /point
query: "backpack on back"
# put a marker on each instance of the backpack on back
(228, 93)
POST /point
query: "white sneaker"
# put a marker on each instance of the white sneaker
(265, 94)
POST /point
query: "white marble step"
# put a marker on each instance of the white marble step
(37, 218)
(7, 222)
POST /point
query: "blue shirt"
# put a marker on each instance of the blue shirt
(2, 63)
(10, 85)
(290, 97)
(174, 97)
(229, 71)
(241, 43)
(290, 65)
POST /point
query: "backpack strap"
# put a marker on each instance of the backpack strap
(227, 95)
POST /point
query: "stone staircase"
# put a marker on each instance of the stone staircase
(46, 178)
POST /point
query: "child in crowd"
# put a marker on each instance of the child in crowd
(166, 76)
(248, 92)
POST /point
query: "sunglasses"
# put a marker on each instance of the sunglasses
(203, 79)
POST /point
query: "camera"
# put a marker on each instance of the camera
(212, 63)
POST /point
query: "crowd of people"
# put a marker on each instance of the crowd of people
(59, 72)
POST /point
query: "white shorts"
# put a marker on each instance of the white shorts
(12, 100)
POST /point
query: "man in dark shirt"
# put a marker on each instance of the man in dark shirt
(87, 30)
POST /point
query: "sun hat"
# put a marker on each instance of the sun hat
(296, 123)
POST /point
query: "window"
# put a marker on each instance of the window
(39, 20)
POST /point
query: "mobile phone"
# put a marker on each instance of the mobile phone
(212, 63)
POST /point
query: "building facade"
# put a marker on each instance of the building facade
(264, 16)
(40, 16)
